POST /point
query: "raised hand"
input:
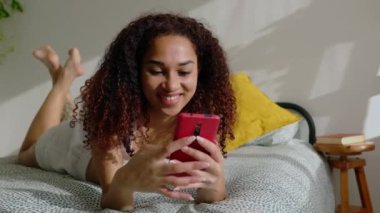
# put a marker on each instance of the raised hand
(211, 188)
(148, 171)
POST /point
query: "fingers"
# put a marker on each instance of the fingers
(205, 177)
(180, 181)
(211, 148)
(175, 194)
(196, 154)
(190, 186)
(176, 145)
(204, 180)
(181, 167)
(196, 185)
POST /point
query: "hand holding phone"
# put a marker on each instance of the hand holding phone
(188, 124)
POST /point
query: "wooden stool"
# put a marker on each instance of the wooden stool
(344, 163)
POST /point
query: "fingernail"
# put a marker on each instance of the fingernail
(202, 180)
(191, 198)
(205, 165)
(191, 139)
(199, 139)
(185, 148)
(175, 161)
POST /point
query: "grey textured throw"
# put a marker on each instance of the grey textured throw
(289, 177)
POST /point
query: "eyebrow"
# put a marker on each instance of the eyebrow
(163, 64)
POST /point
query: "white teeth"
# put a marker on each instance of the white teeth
(170, 98)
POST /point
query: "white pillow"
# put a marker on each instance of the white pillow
(278, 136)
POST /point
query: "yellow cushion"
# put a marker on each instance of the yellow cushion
(256, 113)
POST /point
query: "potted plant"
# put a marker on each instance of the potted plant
(7, 9)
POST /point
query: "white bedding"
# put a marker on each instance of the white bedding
(289, 177)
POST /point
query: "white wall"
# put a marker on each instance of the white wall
(321, 54)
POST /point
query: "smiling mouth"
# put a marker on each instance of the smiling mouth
(169, 100)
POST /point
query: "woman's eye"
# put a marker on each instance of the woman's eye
(155, 72)
(184, 73)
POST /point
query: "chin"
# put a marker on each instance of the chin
(171, 111)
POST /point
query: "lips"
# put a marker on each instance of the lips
(169, 100)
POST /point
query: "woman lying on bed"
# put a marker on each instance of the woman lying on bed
(124, 120)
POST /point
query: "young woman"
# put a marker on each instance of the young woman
(124, 120)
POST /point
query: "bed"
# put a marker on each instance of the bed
(264, 175)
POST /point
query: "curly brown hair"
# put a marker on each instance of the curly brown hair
(112, 101)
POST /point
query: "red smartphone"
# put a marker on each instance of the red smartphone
(188, 124)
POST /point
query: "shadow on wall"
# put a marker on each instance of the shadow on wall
(330, 54)
(65, 24)
(317, 41)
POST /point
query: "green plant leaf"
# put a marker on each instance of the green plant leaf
(4, 13)
(7, 9)
(16, 6)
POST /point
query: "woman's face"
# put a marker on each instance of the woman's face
(169, 74)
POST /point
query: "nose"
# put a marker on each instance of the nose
(172, 82)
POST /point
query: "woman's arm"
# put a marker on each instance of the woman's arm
(102, 169)
(146, 171)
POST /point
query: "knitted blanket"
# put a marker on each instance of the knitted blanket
(289, 177)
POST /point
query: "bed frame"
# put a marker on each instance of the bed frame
(305, 114)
